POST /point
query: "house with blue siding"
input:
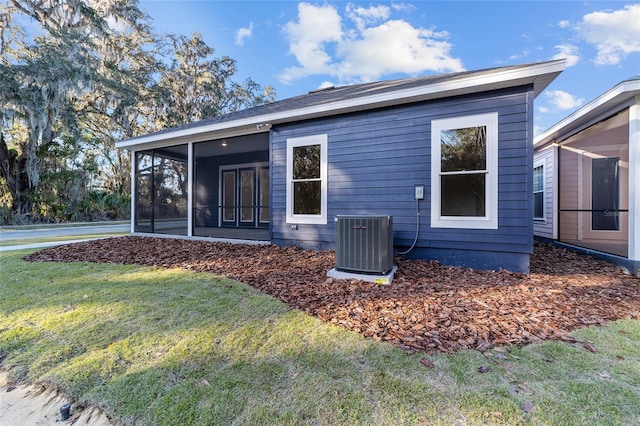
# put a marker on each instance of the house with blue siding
(448, 157)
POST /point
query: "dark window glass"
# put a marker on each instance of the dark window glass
(247, 182)
(229, 196)
(306, 162)
(463, 149)
(307, 197)
(538, 205)
(463, 195)
(538, 192)
(264, 195)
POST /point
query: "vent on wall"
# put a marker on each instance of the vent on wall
(364, 244)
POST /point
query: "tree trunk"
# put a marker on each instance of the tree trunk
(14, 170)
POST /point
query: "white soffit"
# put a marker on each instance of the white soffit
(619, 97)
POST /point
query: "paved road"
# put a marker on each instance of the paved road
(62, 231)
(22, 237)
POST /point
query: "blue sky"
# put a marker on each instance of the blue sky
(300, 46)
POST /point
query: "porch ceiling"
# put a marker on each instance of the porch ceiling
(236, 145)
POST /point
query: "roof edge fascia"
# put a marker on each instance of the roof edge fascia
(528, 74)
(599, 107)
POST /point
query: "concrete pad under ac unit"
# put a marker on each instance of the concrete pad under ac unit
(377, 279)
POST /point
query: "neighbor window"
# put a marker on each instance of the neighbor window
(538, 192)
(464, 172)
(307, 179)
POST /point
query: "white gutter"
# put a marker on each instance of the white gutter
(542, 74)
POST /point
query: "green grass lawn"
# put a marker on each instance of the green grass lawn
(166, 347)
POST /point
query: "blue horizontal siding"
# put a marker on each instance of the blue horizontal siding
(376, 157)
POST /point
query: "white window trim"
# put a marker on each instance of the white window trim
(543, 218)
(490, 220)
(320, 219)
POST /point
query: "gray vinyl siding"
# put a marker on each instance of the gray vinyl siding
(376, 157)
(544, 228)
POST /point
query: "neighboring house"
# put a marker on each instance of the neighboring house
(460, 143)
(587, 177)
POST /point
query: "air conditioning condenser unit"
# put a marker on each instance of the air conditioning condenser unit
(364, 244)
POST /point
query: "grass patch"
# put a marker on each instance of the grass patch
(164, 346)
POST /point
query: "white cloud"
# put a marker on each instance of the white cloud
(316, 26)
(563, 100)
(543, 109)
(376, 46)
(537, 130)
(405, 7)
(244, 33)
(614, 33)
(406, 49)
(325, 85)
(367, 16)
(564, 24)
(568, 52)
(523, 54)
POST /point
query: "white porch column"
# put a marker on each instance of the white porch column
(555, 159)
(190, 195)
(133, 191)
(634, 180)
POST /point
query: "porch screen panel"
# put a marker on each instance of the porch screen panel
(593, 192)
(144, 192)
(605, 195)
(170, 196)
(161, 191)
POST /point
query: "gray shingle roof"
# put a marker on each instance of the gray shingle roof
(333, 95)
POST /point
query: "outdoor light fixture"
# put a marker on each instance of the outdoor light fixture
(224, 142)
(261, 125)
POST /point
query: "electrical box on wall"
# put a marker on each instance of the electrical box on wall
(419, 192)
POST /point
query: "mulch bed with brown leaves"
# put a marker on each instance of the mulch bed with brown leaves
(428, 307)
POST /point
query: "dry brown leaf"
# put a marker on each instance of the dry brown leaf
(427, 363)
(588, 346)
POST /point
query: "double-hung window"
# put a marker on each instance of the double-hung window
(538, 192)
(464, 172)
(307, 179)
